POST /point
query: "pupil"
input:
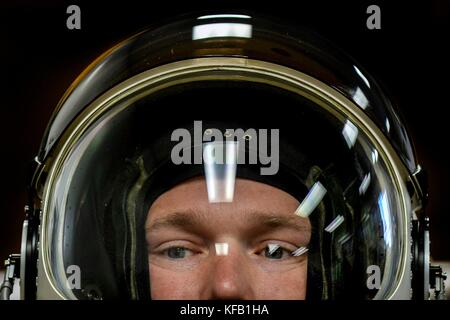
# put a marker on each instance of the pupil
(274, 254)
(176, 253)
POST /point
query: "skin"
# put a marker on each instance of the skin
(183, 230)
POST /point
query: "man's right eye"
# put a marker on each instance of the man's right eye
(177, 252)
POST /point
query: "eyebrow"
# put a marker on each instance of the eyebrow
(274, 221)
(177, 220)
(192, 219)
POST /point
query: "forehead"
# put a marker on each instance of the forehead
(250, 198)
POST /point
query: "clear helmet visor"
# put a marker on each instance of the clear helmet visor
(223, 189)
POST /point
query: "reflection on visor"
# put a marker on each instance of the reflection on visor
(374, 156)
(360, 98)
(272, 248)
(216, 16)
(360, 74)
(299, 251)
(383, 204)
(220, 161)
(311, 200)
(350, 133)
(364, 184)
(221, 249)
(214, 30)
(336, 223)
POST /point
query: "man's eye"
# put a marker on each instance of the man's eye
(273, 251)
(177, 252)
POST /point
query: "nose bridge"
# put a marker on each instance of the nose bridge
(230, 276)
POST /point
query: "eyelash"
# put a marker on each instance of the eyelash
(286, 252)
(165, 251)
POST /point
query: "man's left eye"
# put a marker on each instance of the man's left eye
(274, 251)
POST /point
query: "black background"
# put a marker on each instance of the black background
(40, 57)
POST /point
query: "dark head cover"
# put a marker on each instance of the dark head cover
(151, 172)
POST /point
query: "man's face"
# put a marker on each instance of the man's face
(237, 250)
